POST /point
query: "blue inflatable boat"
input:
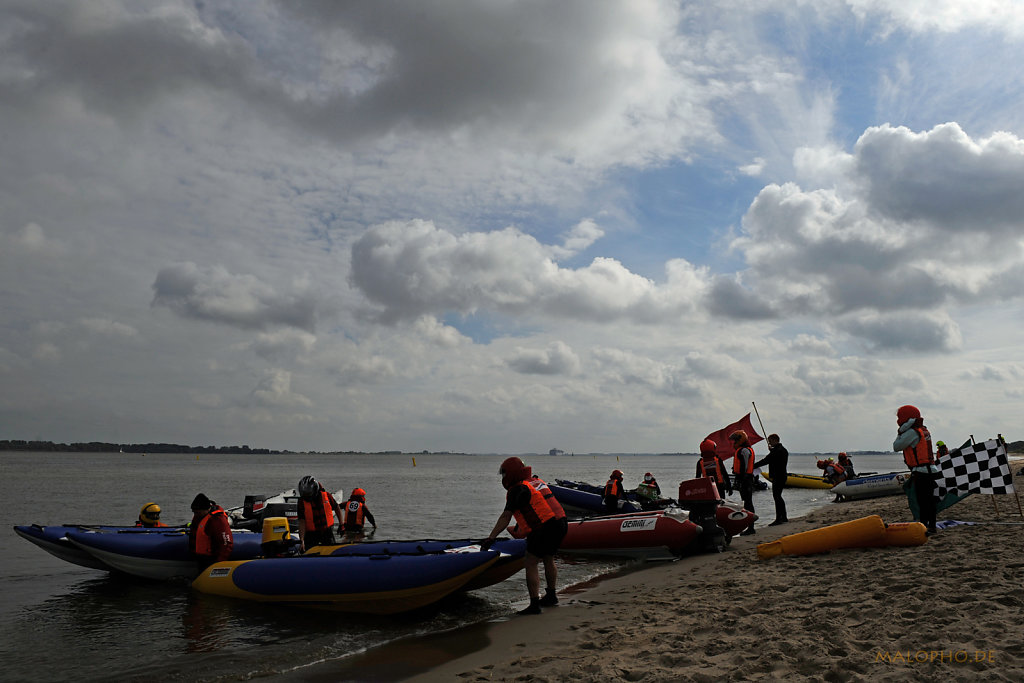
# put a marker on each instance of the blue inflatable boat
(154, 553)
(511, 560)
(369, 584)
(53, 539)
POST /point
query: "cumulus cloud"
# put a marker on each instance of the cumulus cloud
(214, 294)
(412, 269)
(905, 330)
(274, 390)
(994, 373)
(557, 359)
(917, 223)
(109, 328)
(281, 344)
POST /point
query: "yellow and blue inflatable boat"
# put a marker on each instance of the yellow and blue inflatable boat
(370, 584)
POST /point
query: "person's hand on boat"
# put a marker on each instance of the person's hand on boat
(486, 544)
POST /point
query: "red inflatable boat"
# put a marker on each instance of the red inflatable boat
(657, 535)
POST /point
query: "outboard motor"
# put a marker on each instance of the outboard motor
(277, 538)
(701, 497)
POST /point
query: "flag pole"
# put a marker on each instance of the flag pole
(763, 430)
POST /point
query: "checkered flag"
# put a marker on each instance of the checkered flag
(975, 468)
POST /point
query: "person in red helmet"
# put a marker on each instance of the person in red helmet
(614, 491)
(777, 461)
(356, 513)
(914, 439)
(743, 468)
(711, 466)
(544, 529)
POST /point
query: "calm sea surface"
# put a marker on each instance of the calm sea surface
(61, 622)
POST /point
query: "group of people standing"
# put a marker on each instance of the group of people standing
(210, 538)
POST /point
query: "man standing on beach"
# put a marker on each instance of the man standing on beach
(777, 460)
(543, 527)
(743, 468)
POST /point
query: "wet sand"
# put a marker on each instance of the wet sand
(947, 610)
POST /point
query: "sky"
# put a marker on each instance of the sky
(507, 226)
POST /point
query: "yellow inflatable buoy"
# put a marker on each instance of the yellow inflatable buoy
(859, 532)
(899, 534)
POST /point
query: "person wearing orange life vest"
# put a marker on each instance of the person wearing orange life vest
(543, 527)
(149, 516)
(614, 491)
(209, 534)
(712, 467)
(914, 439)
(832, 472)
(743, 468)
(317, 511)
(356, 512)
(549, 496)
(847, 464)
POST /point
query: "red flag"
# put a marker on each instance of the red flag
(721, 437)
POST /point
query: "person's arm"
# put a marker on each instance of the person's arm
(908, 438)
(337, 510)
(503, 519)
(369, 516)
(302, 532)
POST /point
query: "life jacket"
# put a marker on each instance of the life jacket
(921, 452)
(319, 517)
(355, 514)
(139, 523)
(201, 539)
(549, 496)
(837, 469)
(536, 512)
(613, 489)
(737, 467)
(712, 469)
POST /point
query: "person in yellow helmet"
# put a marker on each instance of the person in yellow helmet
(149, 516)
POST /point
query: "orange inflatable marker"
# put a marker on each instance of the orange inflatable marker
(864, 531)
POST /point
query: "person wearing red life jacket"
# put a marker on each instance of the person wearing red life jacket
(356, 513)
(149, 517)
(743, 468)
(209, 534)
(915, 441)
(832, 472)
(847, 462)
(712, 467)
(614, 491)
(317, 512)
(543, 527)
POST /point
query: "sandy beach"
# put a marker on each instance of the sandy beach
(947, 610)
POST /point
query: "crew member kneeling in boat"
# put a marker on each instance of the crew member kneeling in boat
(743, 468)
(712, 467)
(209, 534)
(614, 491)
(149, 516)
(649, 488)
(847, 464)
(544, 528)
(915, 441)
(832, 472)
(356, 513)
(317, 510)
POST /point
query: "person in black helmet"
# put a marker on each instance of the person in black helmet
(317, 511)
(209, 534)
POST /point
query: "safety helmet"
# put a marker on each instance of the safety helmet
(513, 470)
(940, 443)
(648, 477)
(308, 486)
(905, 413)
(822, 464)
(150, 513)
(358, 493)
(739, 436)
(708, 446)
(616, 474)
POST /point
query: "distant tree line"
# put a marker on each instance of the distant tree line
(103, 447)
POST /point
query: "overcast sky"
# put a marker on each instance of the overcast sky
(510, 226)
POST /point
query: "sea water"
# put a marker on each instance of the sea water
(62, 622)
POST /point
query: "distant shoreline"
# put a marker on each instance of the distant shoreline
(105, 447)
